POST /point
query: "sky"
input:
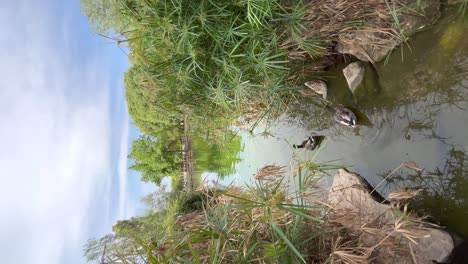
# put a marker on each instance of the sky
(64, 134)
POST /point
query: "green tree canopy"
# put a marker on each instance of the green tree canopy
(147, 228)
(113, 249)
(105, 16)
(155, 158)
(149, 110)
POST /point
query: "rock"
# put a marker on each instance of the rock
(349, 196)
(318, 86)
(385, 231)
(366, 45)
(354, 74)
(437, 245)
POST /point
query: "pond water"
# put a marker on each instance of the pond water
(414, 107)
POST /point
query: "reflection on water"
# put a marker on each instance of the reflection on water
(415, 109)
(216, 155)
(444, 190)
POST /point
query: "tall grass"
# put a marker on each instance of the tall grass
(463, 6)
(218, 57)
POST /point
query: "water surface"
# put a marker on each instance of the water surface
(414, 107)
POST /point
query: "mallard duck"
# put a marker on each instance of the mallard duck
(343, 115)
(309, 143)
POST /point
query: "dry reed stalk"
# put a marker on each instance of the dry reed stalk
(270, 173)
(191, 220)
(349, 252)
(403, 195)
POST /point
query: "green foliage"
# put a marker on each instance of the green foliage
(114, 249)
(105, 15)
(146, 106)
(206, 58)
(94, 247)
(257, 224)
(132, 240)
(218, 157)
(155, 158)
(157, 200)
(147, 228)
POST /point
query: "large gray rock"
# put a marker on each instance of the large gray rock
(354, 74)
(366, 45)
(390, 235)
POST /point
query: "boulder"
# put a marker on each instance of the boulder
(354, 74)
(366, 45)
(389, 234)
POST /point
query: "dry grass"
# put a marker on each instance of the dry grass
(393, 234)
(344, 251)
(403, 195)
(260, 225)
(368, 24)
(338, 17)
(334, 20)
(270, 173)
(256, 224)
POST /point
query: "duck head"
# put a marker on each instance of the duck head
(345, 116)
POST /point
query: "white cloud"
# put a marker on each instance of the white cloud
(55, 139)
(124, 210)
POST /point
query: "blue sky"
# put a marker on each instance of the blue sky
(64, 135)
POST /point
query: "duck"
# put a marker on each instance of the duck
(309, 143)
(343, 115)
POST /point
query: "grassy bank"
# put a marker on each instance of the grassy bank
(216, 61)
(262, 223)
(230, 58)
(219, 62)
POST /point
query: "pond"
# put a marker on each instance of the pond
(412, 107)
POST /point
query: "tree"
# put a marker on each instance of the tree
(106, 16)
(152, 111)
(113, 249)
(147, 229)
(130, 241)
(157, 200)
(155, 158)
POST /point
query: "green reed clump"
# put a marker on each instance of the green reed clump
(215, 57)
